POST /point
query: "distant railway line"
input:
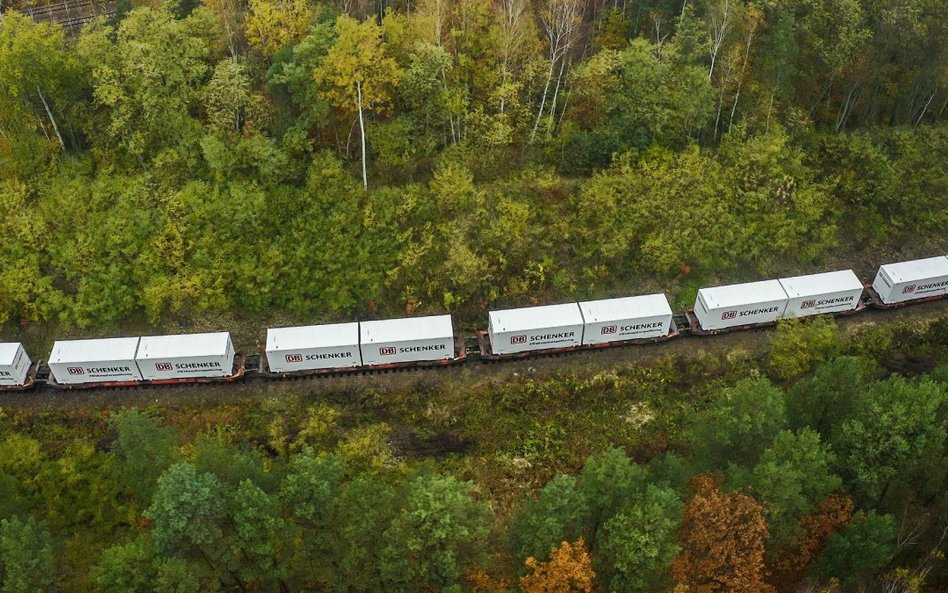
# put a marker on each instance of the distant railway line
(70, 14)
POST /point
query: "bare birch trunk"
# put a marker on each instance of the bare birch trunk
(365, 177)
(559, 124)
(503, 85)
(925, 109)
(717, 34)
(740, 79)
(52, 120)
(556, 94)
(560, 19)
(512, 36)
(846, 109)
(546, 89)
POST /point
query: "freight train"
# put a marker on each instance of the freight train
(432, 341)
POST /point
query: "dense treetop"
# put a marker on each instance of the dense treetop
(327, 159)
(581, 481)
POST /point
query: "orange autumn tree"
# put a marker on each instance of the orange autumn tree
(832, 515)
(569, 570)
(722, 539)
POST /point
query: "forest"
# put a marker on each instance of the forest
(189, 165)
(815, 462)
(319, 161)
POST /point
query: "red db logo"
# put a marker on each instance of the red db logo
(908, 289)
(75, 371)
(807, 304)
(294, 358)
(163, 366)
(521, 339)
(729, 315)
(610, 329)
(387, 350)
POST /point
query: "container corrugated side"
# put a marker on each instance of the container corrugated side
(638, 328)
(311, 350)
(185, 367)
(535, 328)
(563, 336)
(892, 291)
(839, 293)
(396, 352)
(14, 372)
(828, 302)
(750, 313)
(634, 318)
(74, 370)
(398, 341)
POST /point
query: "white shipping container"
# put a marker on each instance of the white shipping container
(414, 339)
(291, 349)
(93, 361)
(630, 318)
(815, 294)
(14, 364)
(535, 328)
(918, 279)
(721, 307)
(186, 356)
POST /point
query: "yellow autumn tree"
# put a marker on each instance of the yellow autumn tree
(271, 24)
(358, 75)
(569, 570)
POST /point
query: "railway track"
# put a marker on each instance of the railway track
(255, 385)
(70, 14)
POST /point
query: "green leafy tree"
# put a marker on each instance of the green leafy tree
(21, 459)
(860, 550)
(78, 493)
(799, 345)
(300, 105)
(186, 512)
(147, 81)
(437, 534)
(27, 558)
(257, 538)
(344, 240)
(230, 463)
(127, 568)
(893, 431)
(755, 203)
(608, 481)
(825, 400)
(143, 449)
(639, 542)
(106, 222)
(136, 567)
(738, 426)
(187, 516)
(558, 514)
(791, 479)
(307, 494)
(28, 294)
(39, 78)
(638, 96)
(229, 100)
(364, 509)
(236, 531)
